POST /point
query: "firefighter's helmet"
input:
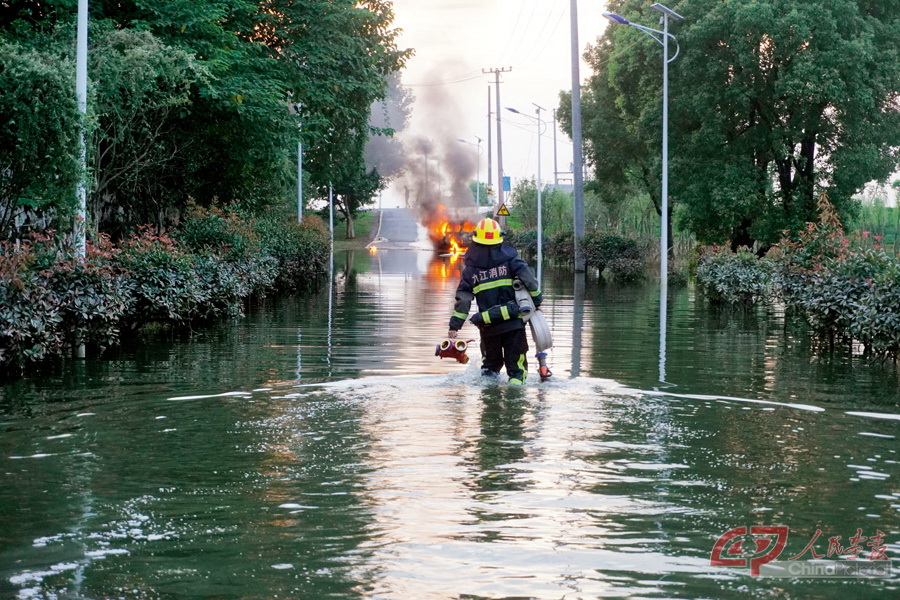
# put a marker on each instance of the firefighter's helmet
(487, 232)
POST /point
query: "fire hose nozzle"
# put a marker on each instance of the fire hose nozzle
(455, 350)
(543, 369)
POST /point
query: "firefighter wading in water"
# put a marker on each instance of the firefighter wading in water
(490, 268)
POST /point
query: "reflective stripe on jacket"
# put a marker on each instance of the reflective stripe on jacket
(488, 278)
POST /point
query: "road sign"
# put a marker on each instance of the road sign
(502, 211)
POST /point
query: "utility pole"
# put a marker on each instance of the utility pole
(489, 174)
(496, 73)
(577, 159)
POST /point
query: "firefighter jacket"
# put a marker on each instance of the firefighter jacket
(487, 277)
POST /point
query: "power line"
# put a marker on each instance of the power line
(512, 35)
(461, 78)
(529, 60)
(524, 35)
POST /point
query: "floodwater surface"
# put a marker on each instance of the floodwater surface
(318, 449)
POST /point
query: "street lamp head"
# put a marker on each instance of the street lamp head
(513, 110)
(616, 18)
(666, 11)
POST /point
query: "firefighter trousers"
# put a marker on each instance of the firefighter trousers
(509, 349)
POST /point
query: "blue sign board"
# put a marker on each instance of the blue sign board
(506, 184)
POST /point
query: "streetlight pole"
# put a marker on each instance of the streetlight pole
(295, 109)
(661, 37)
(331, 206)
(300, 177)
(80, 232)
(478, 174)
(540, 211)
(555, 168)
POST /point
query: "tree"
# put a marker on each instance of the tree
(354, 186)
(338, 57)
(191, 100)
(556, 206)
(140, 92)
(771, 102)
(38, 127)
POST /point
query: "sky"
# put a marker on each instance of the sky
(455, 39)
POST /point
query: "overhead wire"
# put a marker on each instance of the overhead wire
(529, 59)
(510, 38)
(523, 36)
(462, 77)
(471, 75)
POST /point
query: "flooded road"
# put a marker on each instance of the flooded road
(318, 449)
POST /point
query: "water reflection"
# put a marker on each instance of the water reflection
(577, 322)
(663, 317)
(308, 455)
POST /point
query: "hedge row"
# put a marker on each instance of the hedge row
(51, 303)
(847, 289)
(621, 255)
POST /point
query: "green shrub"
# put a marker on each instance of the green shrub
(214, 231)
(604, 249)
(161, 279)
(844, 291)
(301, 250)
(51, 301)
(525, 241)
(29, 311)
(739, 278)
(797, 262)
(833, 293)
(92, 295)
(561, 247)
(876, 318)
(626, 269)
(258, 273)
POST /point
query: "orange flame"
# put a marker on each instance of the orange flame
(447, 236)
